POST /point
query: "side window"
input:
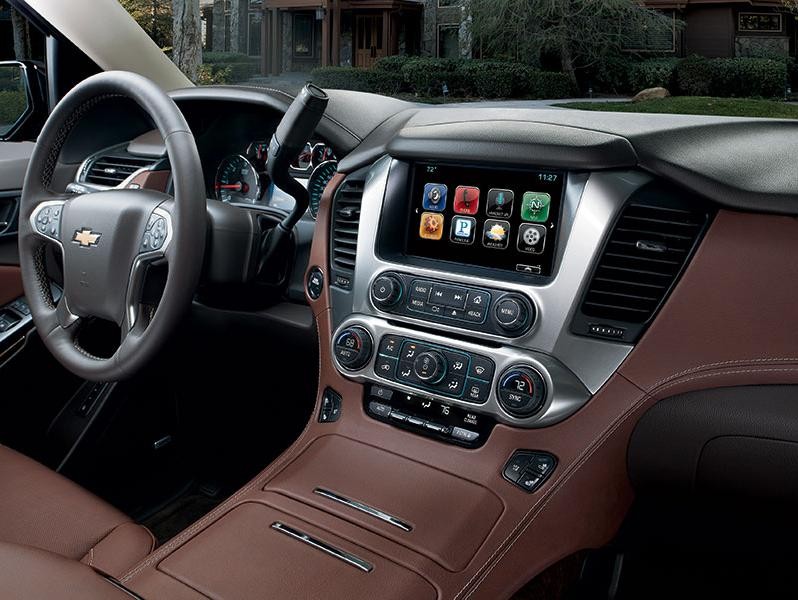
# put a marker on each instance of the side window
(19, 40)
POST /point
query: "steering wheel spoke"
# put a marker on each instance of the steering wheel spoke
(154, 249)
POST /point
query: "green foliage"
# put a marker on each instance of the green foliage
(359, 80)
(392, 63)
(210, 74)
(13, 104)
(228, 57)
(232, 66)
(154, 17)
(425, 77)
(610, 75)
(654, 72)
(732, 77)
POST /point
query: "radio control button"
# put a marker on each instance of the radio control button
(478, 300)
(420, 289)
(513, 313)
(446, 295)
(386, 291)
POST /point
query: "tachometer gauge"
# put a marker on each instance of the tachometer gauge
(321, 153)
(318, 180)
(237, 181)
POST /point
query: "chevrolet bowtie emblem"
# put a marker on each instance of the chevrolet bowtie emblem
(86, 237)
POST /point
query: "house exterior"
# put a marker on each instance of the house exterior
(724, 29)
(300, 35)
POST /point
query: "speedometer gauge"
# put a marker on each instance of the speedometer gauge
(237, 181)
(318, 180)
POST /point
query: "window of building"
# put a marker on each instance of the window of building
(660, 40)
(304, 25)
(759, 22)
(449, 41)
(254, 33)
(448, 3)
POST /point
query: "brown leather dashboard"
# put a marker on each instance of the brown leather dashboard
(728, 322)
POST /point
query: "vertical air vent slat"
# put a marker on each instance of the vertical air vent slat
(644, 255)
(113, 170)
(345, 221)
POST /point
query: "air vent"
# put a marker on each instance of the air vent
(645, 254)
(113, 170)
(345, 220)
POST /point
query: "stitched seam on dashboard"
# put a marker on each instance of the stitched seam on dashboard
(723, 364)
(538, 507)
(256, 482)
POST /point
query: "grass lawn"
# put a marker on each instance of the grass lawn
(697, 105)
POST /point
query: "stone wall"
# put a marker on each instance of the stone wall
(435, 15)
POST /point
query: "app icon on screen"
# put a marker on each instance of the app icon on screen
(535, 206)
(531, 238)
(500, 203)
(466, 200)
(496, 234)
(431, 227)
(434, 196)
(463, 230)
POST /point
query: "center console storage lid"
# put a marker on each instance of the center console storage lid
(448, 517)
(245, 556)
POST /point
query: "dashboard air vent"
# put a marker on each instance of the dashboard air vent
(113, 170)
(345, 221)
(646, 252)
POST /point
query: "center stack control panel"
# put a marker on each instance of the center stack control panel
(482, 310)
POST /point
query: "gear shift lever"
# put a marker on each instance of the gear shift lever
(293, 132)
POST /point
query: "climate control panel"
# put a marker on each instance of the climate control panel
(507, 314)
(440, 369)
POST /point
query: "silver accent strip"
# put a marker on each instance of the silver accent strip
(591, 204)
(565, 393)
(364, 508)
(342, 555)
(136, 279)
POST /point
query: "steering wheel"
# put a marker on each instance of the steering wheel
(108, 239)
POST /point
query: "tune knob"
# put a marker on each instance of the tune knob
(353, 348)
(386, 290)
(430, 366)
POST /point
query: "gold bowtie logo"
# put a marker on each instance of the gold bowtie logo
(86, 237)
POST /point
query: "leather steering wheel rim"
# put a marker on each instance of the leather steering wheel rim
(108, 238)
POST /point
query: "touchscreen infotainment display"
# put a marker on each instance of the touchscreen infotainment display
(498, 218)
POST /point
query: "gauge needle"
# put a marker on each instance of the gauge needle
(238, 187)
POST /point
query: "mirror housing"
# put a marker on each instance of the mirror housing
(23, 104)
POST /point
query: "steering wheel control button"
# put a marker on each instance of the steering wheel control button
(330, 406)
(430, 366)
(315, 283)
(529, 469)
(353, 348)
(386, 291)
(521, 391)
(155, 234)
(47, 220)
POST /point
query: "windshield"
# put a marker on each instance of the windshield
(657, 56)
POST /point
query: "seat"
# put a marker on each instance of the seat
(42, 509)
(27, 573)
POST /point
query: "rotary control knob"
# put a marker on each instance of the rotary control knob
(386, 290)
(513, 313)
(353, 348)
(521, 391)
(430, 366)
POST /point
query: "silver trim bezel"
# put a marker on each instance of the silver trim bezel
(328, 549)
(565, 393)
(591, 204)
(364, 508)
